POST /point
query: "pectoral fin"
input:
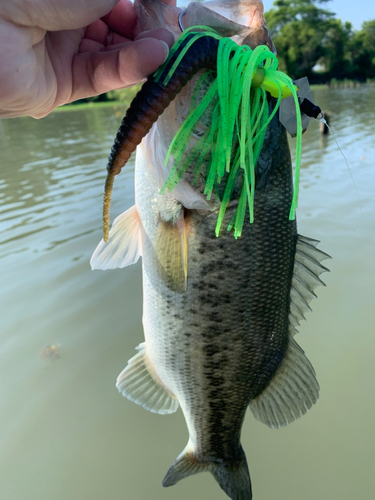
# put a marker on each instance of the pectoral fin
(124, 245)
(171, 252)
(181, 228)
(140, 384)
(291, 392)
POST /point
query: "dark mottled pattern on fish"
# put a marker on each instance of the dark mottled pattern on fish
(234, 314)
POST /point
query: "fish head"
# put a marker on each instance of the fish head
(242, 20)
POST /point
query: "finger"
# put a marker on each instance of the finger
(90, 46)
(99, 72)
(97, 31)
(122, 18)
(97, 37)
(114, 39)
(159, 34)
(59, 15)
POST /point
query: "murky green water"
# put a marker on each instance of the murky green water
(65, 430)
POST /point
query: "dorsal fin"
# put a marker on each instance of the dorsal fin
(306, 272)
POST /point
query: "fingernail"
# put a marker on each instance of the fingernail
(166, 50)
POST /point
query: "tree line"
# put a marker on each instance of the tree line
(312, 42)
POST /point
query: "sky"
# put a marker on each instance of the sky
(346, 10)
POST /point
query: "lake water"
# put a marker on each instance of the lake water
(66, 433)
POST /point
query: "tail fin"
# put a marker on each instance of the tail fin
(232, 475)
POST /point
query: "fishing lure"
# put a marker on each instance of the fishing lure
(230, 147)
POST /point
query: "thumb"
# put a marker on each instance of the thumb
(98, 72)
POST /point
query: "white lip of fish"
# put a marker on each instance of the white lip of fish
(152, 377)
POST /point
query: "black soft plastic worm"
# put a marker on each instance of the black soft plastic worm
(150, 102)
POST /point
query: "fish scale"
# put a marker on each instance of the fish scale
(254, 273)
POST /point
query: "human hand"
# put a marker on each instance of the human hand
(57, 51)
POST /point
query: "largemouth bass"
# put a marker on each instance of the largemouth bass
(219, 314)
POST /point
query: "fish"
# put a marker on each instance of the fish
(219, 314)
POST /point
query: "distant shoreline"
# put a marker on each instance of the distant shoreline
(88, 105)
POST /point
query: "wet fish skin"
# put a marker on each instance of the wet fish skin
(216, 345)
(236, 306)
(223, 341)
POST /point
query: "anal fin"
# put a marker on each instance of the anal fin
(290, 393)
(140, 385)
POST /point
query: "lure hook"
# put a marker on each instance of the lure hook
(180, 16)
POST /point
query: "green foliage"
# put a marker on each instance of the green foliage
(301, 11)
(311, 42)
(362, 53)
(336, 59)
(299, 29)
